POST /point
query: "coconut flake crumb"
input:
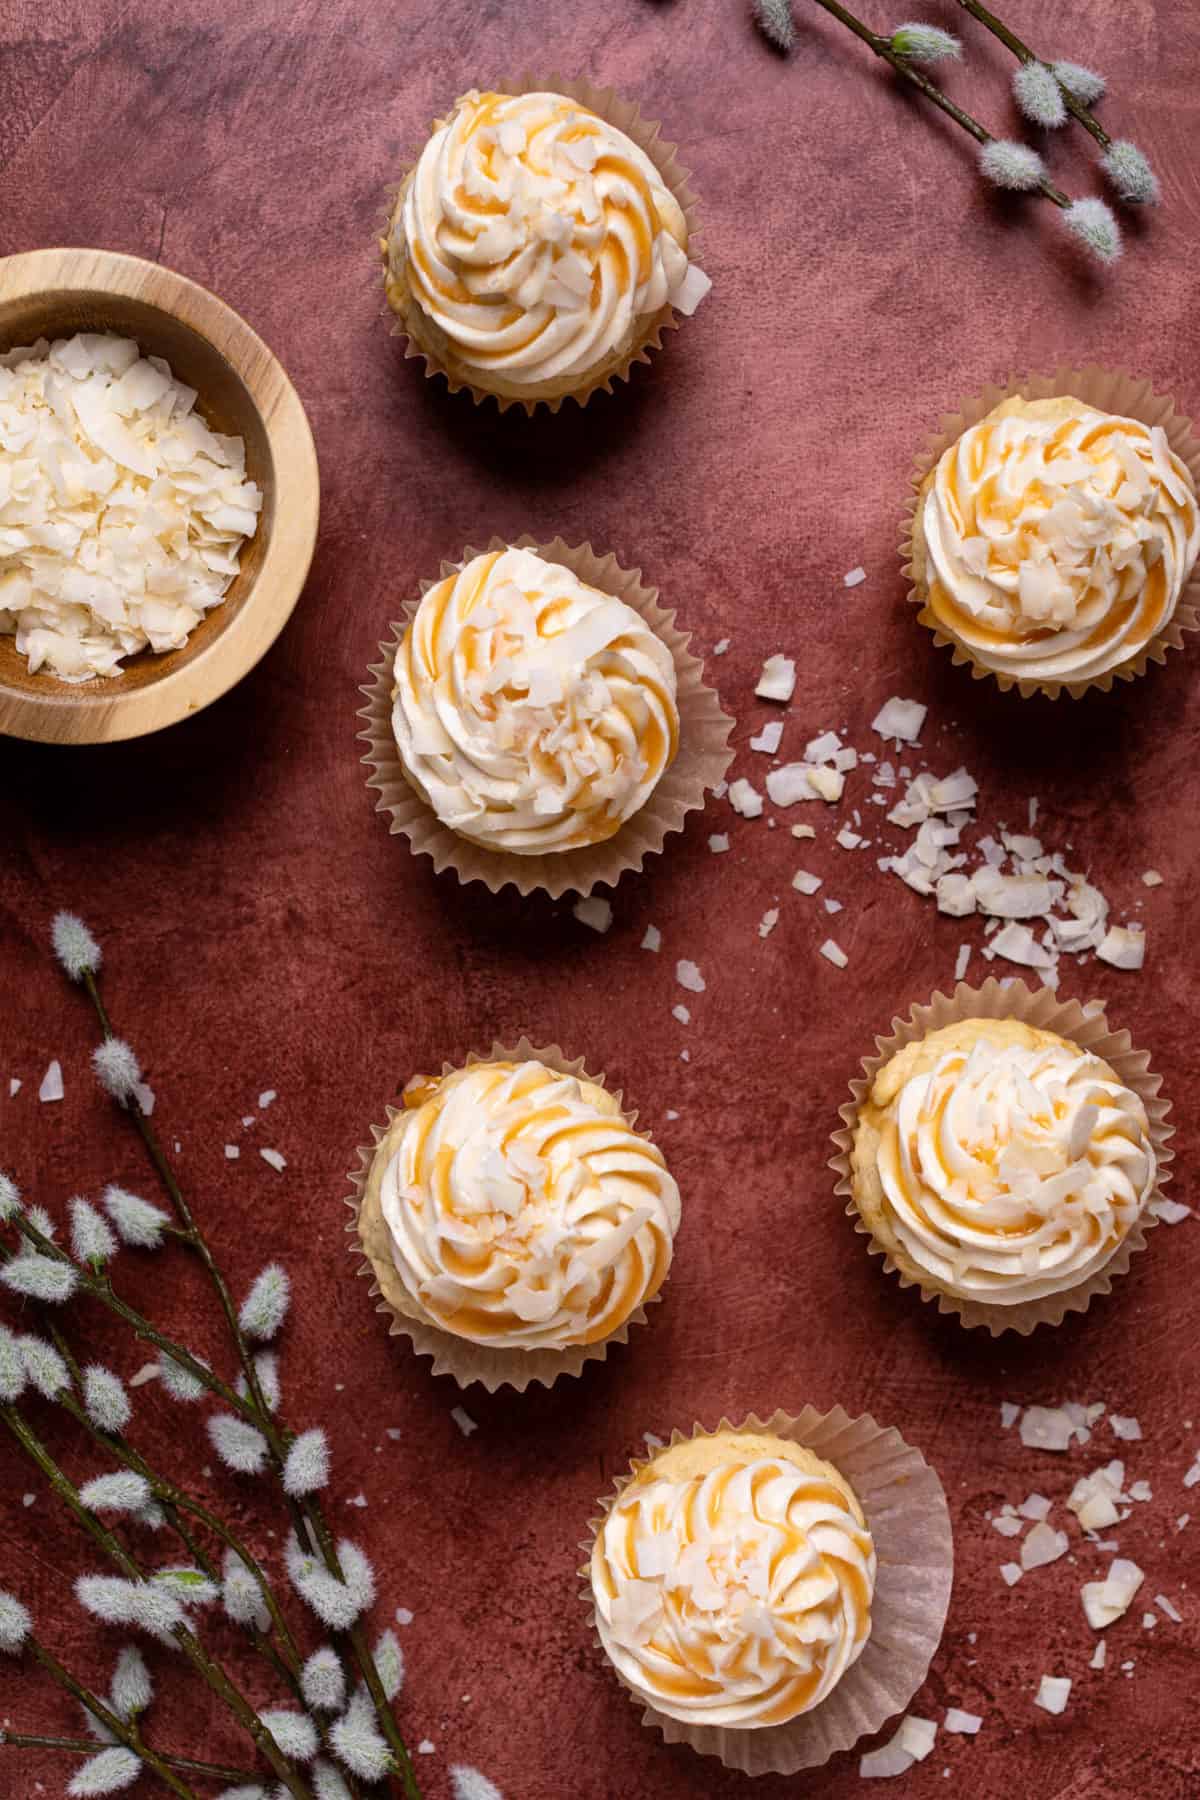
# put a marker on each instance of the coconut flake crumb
(718, 843)
(1012, 1573)
(803, 831)
(652, 939)
(1047, 1428)
(1152, 878)
(462, 1418)
(265, 1098)
(900, 719)
(769, 738)
(1172, 1212)
(1165, 1606)
(917, 1736)
(1099, 1655)
(891, 1759)
(778, 679)
(804, 882)
(14, 1086)
(853, 577)
(232, 1152)
(688, 975)
(966, 1723)
(52, 1082)
(1122, 948)
(1009, 1414)
(1034, 1506)
(593, 911)
(1106, 1601)
(1125, 1428)
(721, 646)
(1043, 1545)
(768, 922)
(833, 952)
(275, 1160)
(745, 798)
(1053, 1694)
(682, 1014)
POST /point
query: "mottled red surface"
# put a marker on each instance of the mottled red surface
(262, 930)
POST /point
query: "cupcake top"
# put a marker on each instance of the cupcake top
(1001, 1162)
(532, 713)
(535, 236)
(1057, 539)
(524, 1210)
(733, 1578)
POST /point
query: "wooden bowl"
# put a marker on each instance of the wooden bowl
(242, 391)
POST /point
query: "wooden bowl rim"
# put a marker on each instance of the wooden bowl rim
(97, 716)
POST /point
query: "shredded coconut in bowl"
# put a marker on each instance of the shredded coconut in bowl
(122, 515)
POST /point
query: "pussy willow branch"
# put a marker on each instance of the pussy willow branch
(882, 47)
(125, 1732)
(307, 1515)
(187, 1765)
(1024, 54)
(210, 1671)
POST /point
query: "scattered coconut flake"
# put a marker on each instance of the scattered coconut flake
(265, 1098)
(768, 922)
(652, 939)
(900, 719)
(1106, 1601)
(1193, 1475)
(1053, 1694)
(721, 647)
(404, 1616)
(1009, 1414)
(1046, 1428)
(1043, 1545)
(1140, 1491)
(828, 784)
(768, 739)
(718, 842)
(1012, 1572)
(1035, 1506)
(1149, 1621)
(593, 911)
(966, 1723)
(52, 1082)
(1008, 1524)
(917, 1736)
(1125, 1428)
(833, 952)
(425, 1747)
(1094, 1497)
(790, 783)
(804, 882)
(892, 1759)
(1152, 878)
(1123, 949)
(147, 1372)
(274, 1159)
(803, 831)
(745, 799)
(849, 840)
(688, 976)
(249, 1119)
(1164, 1605)
(1172, 1212)
(462, 1418)
(853, 577)
(778, 679)
(1099, 1655)
(232, 1152)
(14, 1086)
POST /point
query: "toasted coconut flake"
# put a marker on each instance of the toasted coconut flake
(1122, 948)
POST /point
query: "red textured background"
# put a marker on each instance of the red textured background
(262, 930)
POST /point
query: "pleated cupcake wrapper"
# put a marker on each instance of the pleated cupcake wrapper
(1088, 1028)
(1111, 391)
(700, 763)
(905, 1508)
(627, 117)
(492, 1366)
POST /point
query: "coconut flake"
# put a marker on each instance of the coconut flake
(966, 1723)
(1127, 1429)
(466, 1424)
(745, 799)
(1099, 1655)
(593, 911)
(1047, 1428)
(1166, 1606)
(1171, 1212)
(1012, 1573)
(778, 679)
(718, 843)
(52, 1082)
(768, 922)
(1122, 948)
(853, 577)
(900, 719)
(1053, 1694)
(653, 938)
(805, 883)
(688, 975)
(769, 738)
(275, 1160)
(917, 1736)
(833, 952)
(1043, 1545)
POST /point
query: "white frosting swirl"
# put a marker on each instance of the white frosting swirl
(738, 1594)
(1009, 1173)
(538, 239)
(523, 1210)
(1058, 539)
(531, 712)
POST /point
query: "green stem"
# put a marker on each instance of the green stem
(187, 1765)
(210, 1672)
(120, 1730)
(882, 46)
(1024, 54)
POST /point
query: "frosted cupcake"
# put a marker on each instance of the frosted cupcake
(532, 713)
(1052, 542)
(1000, 1164)
(732, 1579)
(536, 249)
(512, 1208)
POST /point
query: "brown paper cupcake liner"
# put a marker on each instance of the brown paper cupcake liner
(493, 1367)
(1111, 391)
(1088, 1028)
(627, 117)
(700, 762)
(905, 1507)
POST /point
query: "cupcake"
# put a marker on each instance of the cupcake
(773, 1591)
(1052, 542)
(514, 1219)
(536, 249)
(1001, 1166)
(532, 713)
(732, 1580)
